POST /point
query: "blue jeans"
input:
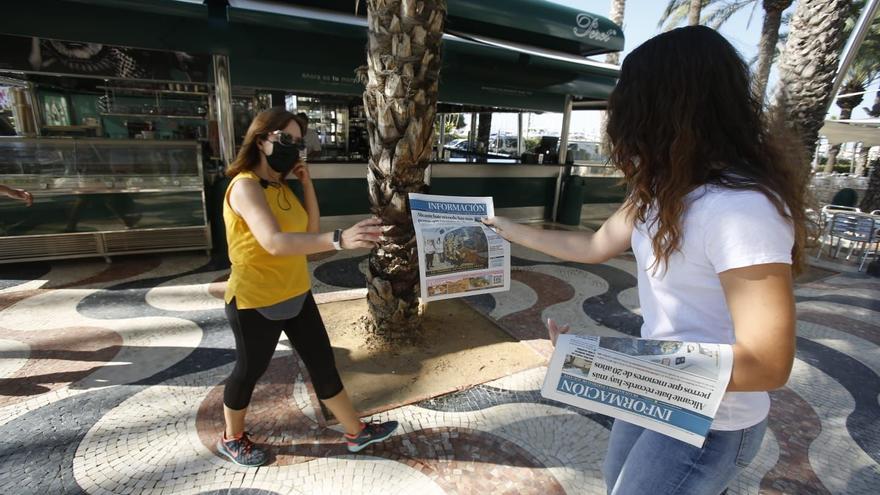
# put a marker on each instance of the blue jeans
(641, 461)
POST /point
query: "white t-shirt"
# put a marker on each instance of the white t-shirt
(721, 229)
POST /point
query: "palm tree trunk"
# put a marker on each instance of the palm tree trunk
(616, 15)
(767, 46)
(400, 99)
(861, 160)
(846, 104)
(694, 11)
(833, 151)
(808, 65)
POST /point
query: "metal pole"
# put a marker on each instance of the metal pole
(440, 149)
(563, 148)
(852, 46)
(566, 123)
(519, 136)
(471, 151)
(223, 105)
(36, 109)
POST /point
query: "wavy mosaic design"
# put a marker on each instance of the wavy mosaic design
(111, 382)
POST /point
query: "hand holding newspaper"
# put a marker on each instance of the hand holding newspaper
(670, 387)
(458, 255)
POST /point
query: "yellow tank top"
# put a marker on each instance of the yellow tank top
(259, 279)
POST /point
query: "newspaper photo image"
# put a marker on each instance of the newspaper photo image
(670, 387)
(458, 255)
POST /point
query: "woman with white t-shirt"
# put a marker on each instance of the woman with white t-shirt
(715, 219)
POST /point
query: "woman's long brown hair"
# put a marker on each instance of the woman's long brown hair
(683, 115)
(265, 122)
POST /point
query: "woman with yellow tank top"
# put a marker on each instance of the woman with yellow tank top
(269, 233)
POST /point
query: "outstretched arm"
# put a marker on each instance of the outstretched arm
(19, 194)
(247, 199)
(612, 239)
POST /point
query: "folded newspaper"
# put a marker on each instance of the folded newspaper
(670, 387)
(458, 255)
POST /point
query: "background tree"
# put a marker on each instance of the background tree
(773, 10)
(400, 100)
(722, 11)
(616, 15)
(864, 71)
(694, 9)
(808, 65)
(680, 11)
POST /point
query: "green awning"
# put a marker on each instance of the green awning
(472, 73)
(299, 49)
(154, 24)
(567, 27)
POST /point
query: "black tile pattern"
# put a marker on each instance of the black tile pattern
(485, 396)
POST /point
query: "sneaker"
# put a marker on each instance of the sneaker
(371, 433)
(241, 450)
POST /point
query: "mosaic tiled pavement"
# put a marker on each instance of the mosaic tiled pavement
(111, 383)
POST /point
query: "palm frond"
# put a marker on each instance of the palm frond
(671, 7)
(723, 13)
(675, 11)
(752, 13)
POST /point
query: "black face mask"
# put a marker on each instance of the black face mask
(283, 158)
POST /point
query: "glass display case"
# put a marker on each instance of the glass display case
(329, 118)
(100, 197)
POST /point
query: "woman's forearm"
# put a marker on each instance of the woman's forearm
(754, 372)
(566, 245)
(289, 244)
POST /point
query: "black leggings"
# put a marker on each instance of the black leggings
(255, 339)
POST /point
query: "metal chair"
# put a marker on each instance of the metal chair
(857, 228)
(874, 240)
(829, 210)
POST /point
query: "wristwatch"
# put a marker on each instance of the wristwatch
(337, 239)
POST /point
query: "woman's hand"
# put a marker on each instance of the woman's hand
(555, 330)
(25, 196)
(364, 234)
(501, 225)
(301, 171)
(19, 194)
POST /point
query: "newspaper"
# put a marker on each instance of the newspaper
(670, 387)
(458, 255)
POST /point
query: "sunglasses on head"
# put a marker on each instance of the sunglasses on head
(286, 139)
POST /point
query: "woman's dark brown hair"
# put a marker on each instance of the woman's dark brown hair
(683, 115)
(265, 122)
